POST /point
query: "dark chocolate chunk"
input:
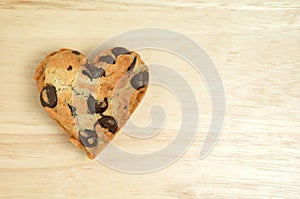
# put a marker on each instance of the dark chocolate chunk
(73, 110)
(109, 123)
(140, 80)
(96, 106)
(76, 52)
(108, 59)
(48, 96)
(100, 107)
(119, 51)
(88, 138)
(69, 68)
(91, 104)
(93, 72)
(132, 64)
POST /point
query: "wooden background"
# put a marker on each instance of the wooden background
(255, 47)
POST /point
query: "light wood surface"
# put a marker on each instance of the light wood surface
(255, 47)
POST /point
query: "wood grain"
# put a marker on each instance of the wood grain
(255, 47)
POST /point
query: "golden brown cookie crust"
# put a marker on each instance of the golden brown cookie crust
(112, 79)
(59, 68)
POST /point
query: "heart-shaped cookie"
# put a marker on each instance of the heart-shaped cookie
(91, 101)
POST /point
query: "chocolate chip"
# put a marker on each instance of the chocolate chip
(101, 106)
(69, 68)
(119, 51)
(108, 59)
(109, 123)
(93, 72)
(96, 106)
(73, 110)
(140, 80)
(91, 104)
(88, 138)
(48, 96)
(76, 52)
(132, 64)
